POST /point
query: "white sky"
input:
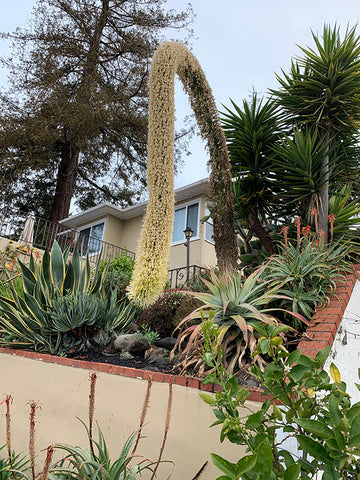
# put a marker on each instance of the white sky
(239, 44)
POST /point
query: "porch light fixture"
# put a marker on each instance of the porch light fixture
(188, 234)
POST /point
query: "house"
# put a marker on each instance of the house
(106, 226)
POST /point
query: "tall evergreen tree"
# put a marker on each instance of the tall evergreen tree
(75, 115)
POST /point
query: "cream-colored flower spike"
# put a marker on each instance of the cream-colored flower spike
(152, 257)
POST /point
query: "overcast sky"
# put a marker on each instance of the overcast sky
(240, 44)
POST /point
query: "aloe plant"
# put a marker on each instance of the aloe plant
(306, 274)
(233, 305)
(62, 297)
(96, 464)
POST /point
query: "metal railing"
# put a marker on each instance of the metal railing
(46, 232)
(177, 276)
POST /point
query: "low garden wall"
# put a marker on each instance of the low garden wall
(61, 385)
(63, 392)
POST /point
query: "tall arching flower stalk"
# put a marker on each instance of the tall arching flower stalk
(153, 249)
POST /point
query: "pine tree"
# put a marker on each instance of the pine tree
(74, 119)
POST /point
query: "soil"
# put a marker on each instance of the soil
(114, 358)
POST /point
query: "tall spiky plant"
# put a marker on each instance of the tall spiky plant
(322, 90)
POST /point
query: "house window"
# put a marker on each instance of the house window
(90, 238)
(209, 228)
(186, 216)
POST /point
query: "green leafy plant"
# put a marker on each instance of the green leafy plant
(305, 274)
(118, 273)
(11, 468)
(306, 406)
(150, 335)
(63, 301)
(95, 463)
(231, 304)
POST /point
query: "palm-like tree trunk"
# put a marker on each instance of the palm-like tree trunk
(324, 192)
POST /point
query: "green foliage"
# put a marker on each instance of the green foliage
(118, 273)
(252, 133)
(346, 208)
(96, 464)
(297, 164)
(305, 275)
(231, 304)
(307, 406)
(159, 316)
(64, 302)
(15, 469)
(150, 335)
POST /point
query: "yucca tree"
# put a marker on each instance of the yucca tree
(322, 90)
(297, 165)
(252, 132)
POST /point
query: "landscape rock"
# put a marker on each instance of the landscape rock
(131, 343)
(157, 356)
(168, 343)
(127, 356)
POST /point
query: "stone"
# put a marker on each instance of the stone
(126, 356)
(131, 343)
(168, 343)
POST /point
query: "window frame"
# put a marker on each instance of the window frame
(208, 222)
(186, 205)
(90, 225)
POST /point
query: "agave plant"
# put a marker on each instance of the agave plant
(62, 296)
(232, 304)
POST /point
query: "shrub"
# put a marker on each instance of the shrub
(160, 316)
(232, 304)
(307, 407)
(118, 273)
(305, 274)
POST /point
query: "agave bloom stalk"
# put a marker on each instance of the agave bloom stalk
(153, 250)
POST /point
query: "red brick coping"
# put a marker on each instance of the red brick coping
(319, 334)
(324, 324)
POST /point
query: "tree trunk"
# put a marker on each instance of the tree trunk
(324, 192)
(67, 173)
(264, 238)
(65, 183)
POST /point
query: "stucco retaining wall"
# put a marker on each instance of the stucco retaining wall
(63, 391)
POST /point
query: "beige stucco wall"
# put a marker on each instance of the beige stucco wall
(63, 394)
(131, 233)
(178, 254)
(113, 230)
(208, 256)
(125, 234)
